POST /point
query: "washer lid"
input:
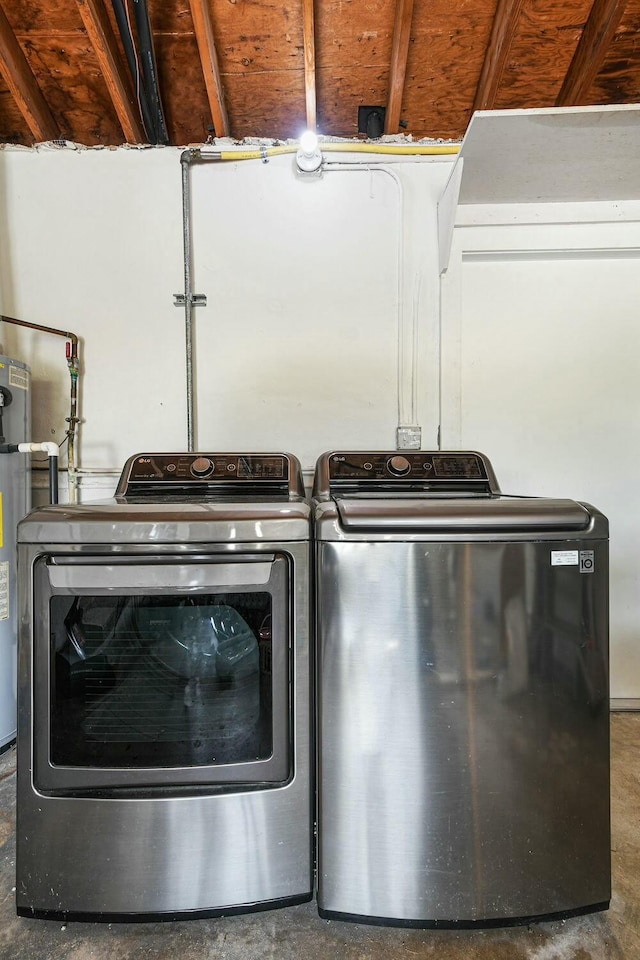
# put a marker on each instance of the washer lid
(472, 513)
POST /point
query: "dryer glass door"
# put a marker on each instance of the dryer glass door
(162, 673)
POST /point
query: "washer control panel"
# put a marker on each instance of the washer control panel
(411, 465)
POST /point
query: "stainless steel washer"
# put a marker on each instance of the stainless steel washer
(463, 731)
(164, 694)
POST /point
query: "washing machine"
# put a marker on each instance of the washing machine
(164, 694)
(463, 707)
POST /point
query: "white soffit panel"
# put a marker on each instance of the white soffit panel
(560, 154)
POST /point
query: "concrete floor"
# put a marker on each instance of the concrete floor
(297, 932)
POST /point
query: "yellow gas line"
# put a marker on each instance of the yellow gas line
(389, 149)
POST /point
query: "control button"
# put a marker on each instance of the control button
(171, 468)
(367, 466)
(202, 467)
(427, 465)
(231, 467)
(399, 466)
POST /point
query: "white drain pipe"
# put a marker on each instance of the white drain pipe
(53, 452)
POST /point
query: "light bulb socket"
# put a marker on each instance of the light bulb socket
(309, 161)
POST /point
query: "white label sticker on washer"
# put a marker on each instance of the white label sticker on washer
(564, 558)
(587, 562)
(4, 590)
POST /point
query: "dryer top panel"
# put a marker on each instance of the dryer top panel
(202, 476)
(145, 525)
(186, 499)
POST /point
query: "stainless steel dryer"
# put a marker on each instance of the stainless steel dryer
(463, 732)
(164, 694)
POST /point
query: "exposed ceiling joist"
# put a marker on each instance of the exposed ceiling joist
(399, 53)
(592, 48)
(98, 27)
(203, 27)
(23, 85)
(308, 33)
(504, 25)
(429, 65)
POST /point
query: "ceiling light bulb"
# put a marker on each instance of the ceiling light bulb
(308, 143)
(309, 157)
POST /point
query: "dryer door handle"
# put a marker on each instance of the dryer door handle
(145, 577)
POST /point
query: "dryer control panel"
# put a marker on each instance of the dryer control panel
(158, 474)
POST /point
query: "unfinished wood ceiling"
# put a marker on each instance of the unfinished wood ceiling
(91, 71)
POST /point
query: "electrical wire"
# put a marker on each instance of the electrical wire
(125, 27)
(149, 69)
(136, 58)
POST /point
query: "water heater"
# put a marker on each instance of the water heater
(15, 501)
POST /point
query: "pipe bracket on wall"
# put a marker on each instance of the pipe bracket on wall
(197, 299)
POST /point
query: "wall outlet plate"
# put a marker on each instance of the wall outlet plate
(409, 438)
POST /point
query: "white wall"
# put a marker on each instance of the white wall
(541, 366)
(297, 348)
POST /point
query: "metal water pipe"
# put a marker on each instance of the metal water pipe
(186, 158)
(74, 372)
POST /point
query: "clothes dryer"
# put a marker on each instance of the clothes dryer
(164, 694)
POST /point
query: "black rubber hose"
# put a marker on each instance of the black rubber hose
(149, 69)
(53, 479)
(138, 80)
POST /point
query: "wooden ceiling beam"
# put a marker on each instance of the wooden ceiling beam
(203, 27)
(599, 31)
(503, 28)
(309, 43)
(397, 73)
(98, 27)
(23, 85)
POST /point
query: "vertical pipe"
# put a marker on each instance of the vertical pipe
(53, 452)
(186, 158)
(72, 420)
(53, 479)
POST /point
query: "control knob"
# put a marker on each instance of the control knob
(202, 467)
(398, 466)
